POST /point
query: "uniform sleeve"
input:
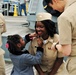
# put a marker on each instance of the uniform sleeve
(31, 59)
(64, 27)
(2, 24)
(2, 20)
(56, 39)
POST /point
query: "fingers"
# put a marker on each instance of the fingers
(32, 35)
(40, 42)
(53, 46)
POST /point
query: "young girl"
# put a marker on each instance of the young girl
(23, 61)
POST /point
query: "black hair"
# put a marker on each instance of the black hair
(48, 1)
(50, 27)
(49, 9)
(12, 41)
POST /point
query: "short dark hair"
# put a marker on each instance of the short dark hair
(48, 1)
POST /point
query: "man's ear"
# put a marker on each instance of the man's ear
(19, 45)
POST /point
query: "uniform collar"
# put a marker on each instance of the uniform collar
(48, 40)
(69, 2)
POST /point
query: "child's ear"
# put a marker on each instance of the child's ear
(19, 45)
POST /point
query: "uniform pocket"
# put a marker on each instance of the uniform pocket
(71, 65)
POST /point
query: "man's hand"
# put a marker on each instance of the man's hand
(53, 46)
(56, 46)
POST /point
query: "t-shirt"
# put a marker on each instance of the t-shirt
(22, 1)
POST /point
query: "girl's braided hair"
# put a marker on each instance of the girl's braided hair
(12, 41)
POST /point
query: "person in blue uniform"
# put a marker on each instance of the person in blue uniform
(22, 6)
(23, 61)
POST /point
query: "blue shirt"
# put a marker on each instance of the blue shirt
(23, 64)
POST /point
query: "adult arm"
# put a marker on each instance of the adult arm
(65, 35)
(64, 49)
(2, 24)
(56, 66)
(39, 70)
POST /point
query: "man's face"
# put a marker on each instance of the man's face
(57, 5)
